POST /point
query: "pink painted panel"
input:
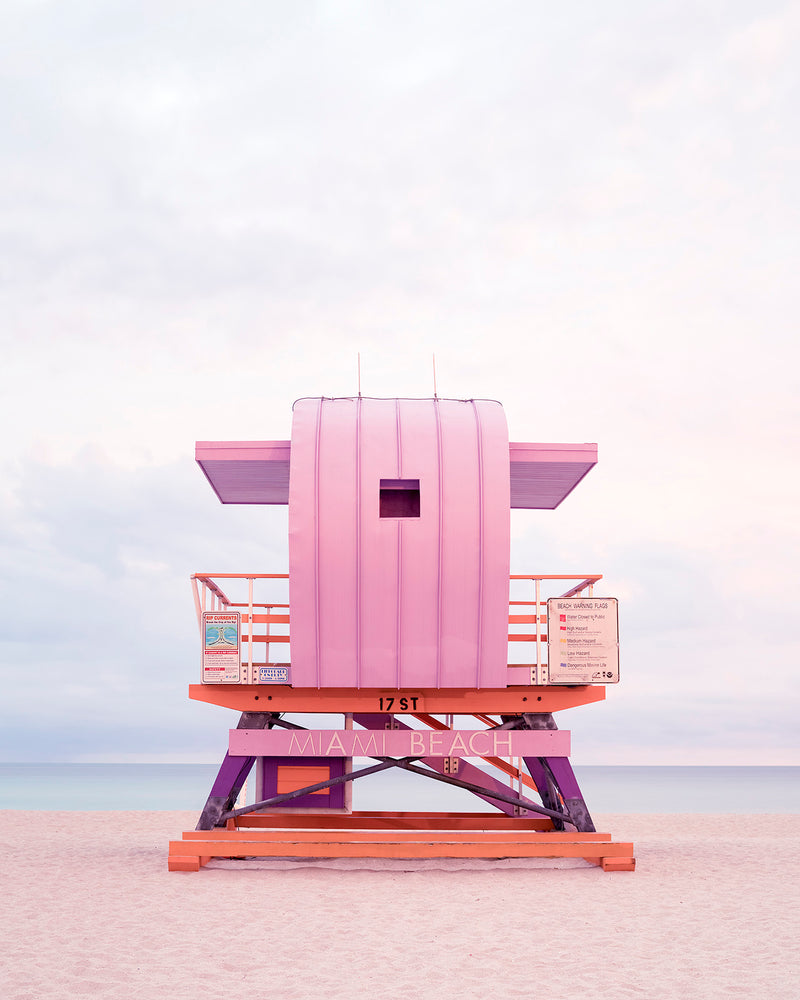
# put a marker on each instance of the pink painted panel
(337, 518)
(495, 545)
(529, 451)
(250, 451)
(517, 676)
(418, 568)
(398, 743)
(460, 545)
(399, 601)
(380, 544)
(303, 535)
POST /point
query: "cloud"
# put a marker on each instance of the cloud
(100, 632)
(587, 213)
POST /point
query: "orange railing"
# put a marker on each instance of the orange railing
(274, 614)
(543, 587)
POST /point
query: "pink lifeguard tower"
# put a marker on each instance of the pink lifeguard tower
(402, 621)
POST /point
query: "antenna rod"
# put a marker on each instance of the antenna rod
(359, 374)
(435, 395)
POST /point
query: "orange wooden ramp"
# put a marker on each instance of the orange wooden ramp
(395, 835)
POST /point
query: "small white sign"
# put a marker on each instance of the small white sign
(582, 641)
(221, 647)
(277, 673)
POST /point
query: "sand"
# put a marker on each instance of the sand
(88, 908)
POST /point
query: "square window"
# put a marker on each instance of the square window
(399, 498)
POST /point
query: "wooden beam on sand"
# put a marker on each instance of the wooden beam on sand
(324, 844)
(390, 820)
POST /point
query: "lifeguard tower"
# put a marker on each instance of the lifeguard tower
(403, 624)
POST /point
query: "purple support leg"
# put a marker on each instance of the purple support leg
(232, 775)
(548, 792)
(567, 784)
(554, 777)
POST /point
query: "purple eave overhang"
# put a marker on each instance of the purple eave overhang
(257, 472)
(246, 471)
(542, 475)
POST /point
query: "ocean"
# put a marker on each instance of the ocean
(606, 789)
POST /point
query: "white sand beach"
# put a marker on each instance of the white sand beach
(89, 909)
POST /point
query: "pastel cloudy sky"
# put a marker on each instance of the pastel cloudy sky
(587, 211)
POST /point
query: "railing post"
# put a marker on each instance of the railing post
(348, 768)
(250, 629)
(538, 593)
(197, 608)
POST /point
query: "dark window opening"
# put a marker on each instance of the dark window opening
(399, 498)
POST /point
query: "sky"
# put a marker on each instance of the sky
(588, 212)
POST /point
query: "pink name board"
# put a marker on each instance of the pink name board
(398, 743)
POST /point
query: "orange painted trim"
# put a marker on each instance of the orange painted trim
(586, 579)
(511, 771)
(513, 637)
(618, 864)
(458, 701)
(509, 848)
(486, 719)
(498, 762)
(385, 820)
(181, 863)
(265, 836)
(264, 619)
